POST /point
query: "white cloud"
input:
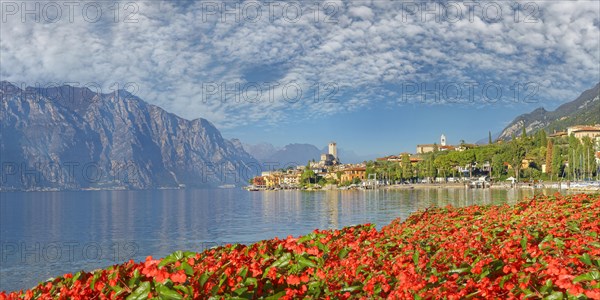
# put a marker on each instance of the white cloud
(362, 12)
(172, 51)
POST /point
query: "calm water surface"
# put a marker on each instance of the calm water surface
(46, 234)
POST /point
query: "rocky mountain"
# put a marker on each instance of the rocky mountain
(585, 110)
(71, 138)
(260, 151)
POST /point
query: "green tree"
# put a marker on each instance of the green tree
(444, 164)
(467, 159)
(322, 181)
(308, 176)
(498, 164)
(516, 151)
(407, 169)
(557, 164)
(549, 156)
(524, 132)
(573, 157)
(489, 137)
(370, 168)
(543, 138)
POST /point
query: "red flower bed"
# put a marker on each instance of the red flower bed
(542, 247)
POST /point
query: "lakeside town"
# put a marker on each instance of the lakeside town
(564, 159)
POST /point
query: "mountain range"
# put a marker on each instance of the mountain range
(72, 138)
(585, 110)
(298, 154)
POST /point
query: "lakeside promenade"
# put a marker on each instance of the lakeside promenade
(575, 186)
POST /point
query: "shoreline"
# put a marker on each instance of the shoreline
(549, 185)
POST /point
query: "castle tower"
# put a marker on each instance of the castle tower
(443, 140)
(333, 149)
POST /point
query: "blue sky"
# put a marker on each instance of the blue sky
(360, 65)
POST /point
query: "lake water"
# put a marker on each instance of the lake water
(46, 234)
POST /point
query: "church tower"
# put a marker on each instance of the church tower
(443, 140)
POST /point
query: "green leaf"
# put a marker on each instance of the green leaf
(343, 252)
(93, 283)
(186, 290)
(593, 275)
(460, 270)
(240, 291)
(189, 254)
(547, 286)
(134, 279)
(306, 262)
(165, 292)
(141, 292)
(573, 227)
(243, 272)
(586, 259)
(351, 288)
(504, 279)
(555, 296)
(171, 258)
(251, 281)
(118, 290)
(283, 260)
(545, 240)
(276, 296)
(484, 274)
(77, 275)
(416, 257)
(186, 268)
(306, 238)
(314, 288)
(203, 278)
(524, 243)
(559, 243)
(322, 246)
(469, 296)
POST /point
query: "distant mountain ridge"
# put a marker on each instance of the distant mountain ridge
(290, 155)
(585, 110)
(298, 154)
(72, 138)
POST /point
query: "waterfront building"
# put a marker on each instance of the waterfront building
(350, 174)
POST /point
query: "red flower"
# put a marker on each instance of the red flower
(179, 277)
(293, 280)
(312, 251)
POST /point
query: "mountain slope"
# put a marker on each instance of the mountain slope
(585, 110)
(70, 138)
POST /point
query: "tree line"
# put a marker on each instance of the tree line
(523, 157)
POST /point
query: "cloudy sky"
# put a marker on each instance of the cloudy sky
(375, 76)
